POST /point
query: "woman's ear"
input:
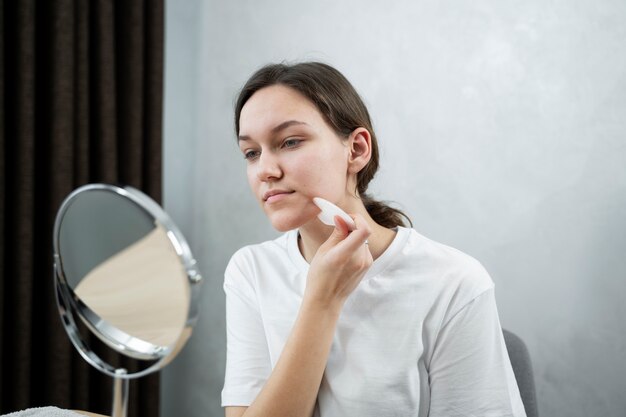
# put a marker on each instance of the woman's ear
(360, 142)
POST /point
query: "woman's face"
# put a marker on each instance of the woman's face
(292, 155)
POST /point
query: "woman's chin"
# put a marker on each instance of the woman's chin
(285, 226)
(284, 223)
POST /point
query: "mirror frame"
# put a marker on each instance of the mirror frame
(71, 306)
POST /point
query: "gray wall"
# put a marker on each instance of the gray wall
(503, 133)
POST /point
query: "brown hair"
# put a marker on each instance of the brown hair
(342, 108)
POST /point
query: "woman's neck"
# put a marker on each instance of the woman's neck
(315, 233)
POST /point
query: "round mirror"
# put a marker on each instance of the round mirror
(125, 272)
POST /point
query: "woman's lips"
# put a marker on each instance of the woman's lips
(276, 197)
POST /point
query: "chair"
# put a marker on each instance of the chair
(522, 368)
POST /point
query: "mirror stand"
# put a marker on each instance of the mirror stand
(120, 394)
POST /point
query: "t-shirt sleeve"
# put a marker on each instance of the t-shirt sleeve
(470, 372)
(247, 356)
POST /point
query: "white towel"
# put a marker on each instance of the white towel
(43, 412)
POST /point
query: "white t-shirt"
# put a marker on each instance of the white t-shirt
(419, 336)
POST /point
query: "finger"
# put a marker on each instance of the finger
(341, 224)
(339, 233)
(357, 237)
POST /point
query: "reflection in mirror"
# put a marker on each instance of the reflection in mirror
(96, 225)
(140, 290)
(125, 271)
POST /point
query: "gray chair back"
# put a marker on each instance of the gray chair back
(522, 368)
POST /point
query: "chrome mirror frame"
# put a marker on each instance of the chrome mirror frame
(70, 306)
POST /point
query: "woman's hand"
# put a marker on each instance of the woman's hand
(339, 264)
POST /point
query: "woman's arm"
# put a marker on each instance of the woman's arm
(337, 268)
(470, 371)
(292, 387)
(234, 411)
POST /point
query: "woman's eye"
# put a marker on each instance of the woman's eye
(290, 143)
(249, 155)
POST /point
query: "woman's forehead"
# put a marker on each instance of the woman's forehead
(276, 105)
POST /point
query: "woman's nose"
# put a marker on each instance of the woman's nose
(268, 168)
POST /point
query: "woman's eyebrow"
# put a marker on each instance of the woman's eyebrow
(285, 125)
(277, 128)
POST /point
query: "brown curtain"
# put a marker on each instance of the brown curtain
(81, 102)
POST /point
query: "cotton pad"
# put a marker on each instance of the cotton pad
(329, 211)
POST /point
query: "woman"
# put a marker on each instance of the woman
(377, 321)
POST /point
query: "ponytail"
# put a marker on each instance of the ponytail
(383, 214)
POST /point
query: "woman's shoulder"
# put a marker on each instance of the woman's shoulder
(252, 262)
(446, 263)
(273, 248)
